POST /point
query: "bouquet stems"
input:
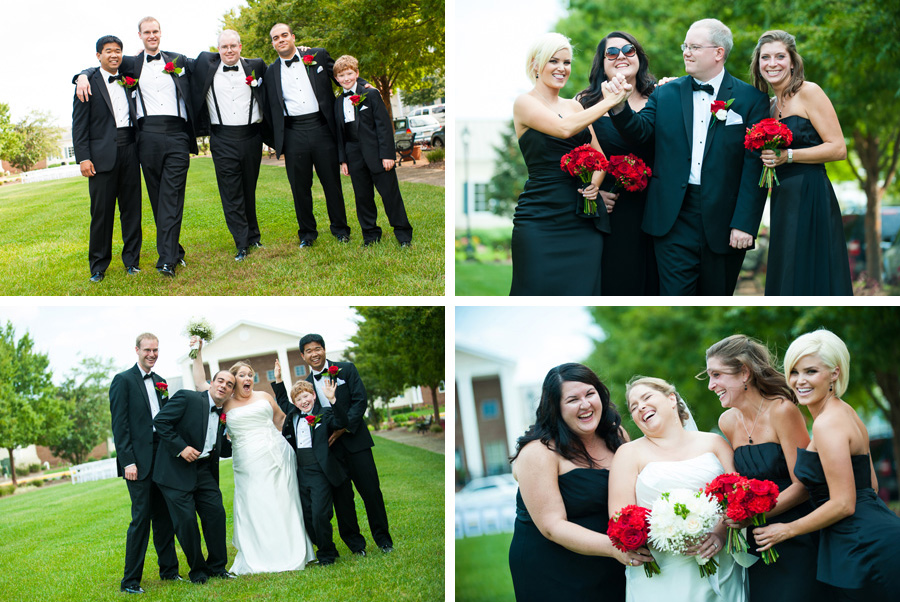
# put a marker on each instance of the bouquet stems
(770, 555)
(651, 568)
(735, 542)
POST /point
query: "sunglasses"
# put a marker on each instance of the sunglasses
(612, 52)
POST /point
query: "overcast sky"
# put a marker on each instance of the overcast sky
(69, 332)
(538, 338)
(43, 43)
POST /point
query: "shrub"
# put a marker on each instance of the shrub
(435, 156)
(436, 428)
(33, 468)
(7, 490)
(37, 482)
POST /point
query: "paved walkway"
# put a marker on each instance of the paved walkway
(420, 173)
(430, 441)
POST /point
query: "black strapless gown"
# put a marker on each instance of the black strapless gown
(542, 570)
(793, 576)
(858, 554)
(628, 266)
(556, 249)
(807, 251)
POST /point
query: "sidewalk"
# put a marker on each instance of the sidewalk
(420, 173)
(430, 441)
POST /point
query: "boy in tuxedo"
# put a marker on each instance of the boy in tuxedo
(307, 428)
(366, 152)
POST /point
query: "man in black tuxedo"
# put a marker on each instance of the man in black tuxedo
(354, 443)
(300, 106)
(165, 135)
(135, 398)
(704, 202)
(187, 471)
(227, 95)
(366, 152)
(103, 135)
(308, 427)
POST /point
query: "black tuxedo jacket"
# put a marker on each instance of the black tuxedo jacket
(204, 68)
(320, 77)
(351, 395)
(731, 196)
(94, 125)
(373, 128)
(332, 419)
(183, 422)
(132, 421)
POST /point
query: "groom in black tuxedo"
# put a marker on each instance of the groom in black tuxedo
(187, 472)
(135, 398)
(354, 444)
(300, 107)
(229, 108)
(704, 203)
(103, 135)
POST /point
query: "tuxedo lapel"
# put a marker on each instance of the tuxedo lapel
(311, 74)
(725, 90)
(100, 83)
(139, 379)
(140, 60)
(687, 109)
(211, 75)
(276, 75)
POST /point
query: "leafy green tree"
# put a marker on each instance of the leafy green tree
(398, 44)
(428, 90)
(510, 174)
(8, 140)
(406, 344)
(32, 140)
(28, 413)
(85, 397)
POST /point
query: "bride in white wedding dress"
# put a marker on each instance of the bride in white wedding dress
(669, 457)
(268, 521)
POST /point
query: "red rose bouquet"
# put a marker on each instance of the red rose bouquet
(768, 134)
(582, 162)
(720, 488)
(629, 530)
(630, 172)
(744, 499)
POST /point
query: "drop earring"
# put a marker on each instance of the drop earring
(831, 387)
(745, 386)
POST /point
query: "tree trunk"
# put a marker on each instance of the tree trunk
(434, 402)
(867, 149)
(383, 83)
(889, 382)
(12, 467)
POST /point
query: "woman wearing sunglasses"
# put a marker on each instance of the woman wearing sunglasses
(628, 265)
(807, 251)
(556, 245)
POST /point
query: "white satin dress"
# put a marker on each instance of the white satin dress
(680, 580)
(268, 521)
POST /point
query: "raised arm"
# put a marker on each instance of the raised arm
(277, 414)
(197, 370)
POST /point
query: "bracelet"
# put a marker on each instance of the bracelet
(790, 155)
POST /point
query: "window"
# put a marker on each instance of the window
(481, 201)
(490, 409)
(270, 375)
(495, 458)
(441, 387)
(300, 371)
(255, 377)
(70, 152)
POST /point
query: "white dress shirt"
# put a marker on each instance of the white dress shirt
(212, 427)
(702, 115)
(320, 386)
(157, 89)
(119, 99)
(234, 96)
(299, 97)
(303, 432)
(349, 109)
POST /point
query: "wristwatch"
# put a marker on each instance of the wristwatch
(790, 155)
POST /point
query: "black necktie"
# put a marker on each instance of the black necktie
(698, 87)
(113, 78)
(227, 68)
(296, 59)
(318, 376)
(153, 58)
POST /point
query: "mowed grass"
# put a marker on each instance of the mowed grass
(492, 279)
(482, 569)
(67, 543)
(45, 232)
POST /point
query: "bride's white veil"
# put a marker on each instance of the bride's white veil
(690, 424)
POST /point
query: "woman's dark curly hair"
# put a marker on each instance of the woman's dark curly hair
(644, 82)
(551, 429)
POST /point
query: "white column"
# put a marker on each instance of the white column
(287, 375)
(468, 418)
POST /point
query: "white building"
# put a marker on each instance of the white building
(475, 161)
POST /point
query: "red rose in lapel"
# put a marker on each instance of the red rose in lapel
(128, 82)
(309, 59)
(172, 68)
(357, 100)
(163, 389)
(313, 420)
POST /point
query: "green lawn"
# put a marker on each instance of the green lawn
(482, 569)
(44, 244)
(67, 543)
(483, 278)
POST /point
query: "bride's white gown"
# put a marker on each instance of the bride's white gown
(268, 520)
(680, 580)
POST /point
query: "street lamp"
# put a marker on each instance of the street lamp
(470, 249)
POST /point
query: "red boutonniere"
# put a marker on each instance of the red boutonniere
(128, 82)
(222, 419)
(719, 108)
(172, 68)
(312, 420)
(357, 100)
(309, 59)
(333, 372)
(163, 390)
(252, 81)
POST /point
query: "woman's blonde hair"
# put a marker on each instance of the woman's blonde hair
(241, 364)
(542, 50)
(829, 348)
(664, 387)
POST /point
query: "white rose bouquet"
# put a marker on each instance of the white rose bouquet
(680, 519)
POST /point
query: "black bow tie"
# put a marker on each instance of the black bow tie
(350, 93)
(318, 376)
(153, 58)
(227, 68)
(296, 59)
(146, 376)
(216, 409)
(113, 78)
(698, 87)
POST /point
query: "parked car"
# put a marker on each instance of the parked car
(485, 489)
(436, 111)
(402, 132)
(882, 453)
(437, 138)
(891, 257)
(855, 235)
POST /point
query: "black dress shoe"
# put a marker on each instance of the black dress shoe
(360, 552)
(241, 254)
(132, 589)
(175, 578)
(132, 270)
(387, 549)
(343, 239)
(224, 575)
(182, 263)
(167, 269)
(200, 580)
(405, 244)
(306, 243)
(97, 277)
(326, 562)
(257, 244)
(369, 243)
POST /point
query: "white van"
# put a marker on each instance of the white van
(436, 111)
